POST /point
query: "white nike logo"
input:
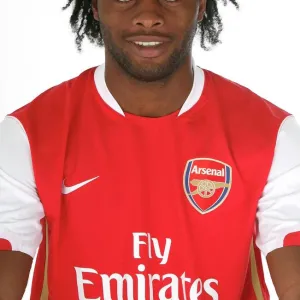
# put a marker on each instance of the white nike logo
(69, 189)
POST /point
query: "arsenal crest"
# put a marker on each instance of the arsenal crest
(207, 183)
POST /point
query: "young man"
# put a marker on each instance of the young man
(149, 177)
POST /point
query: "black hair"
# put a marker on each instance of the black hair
(83, 23)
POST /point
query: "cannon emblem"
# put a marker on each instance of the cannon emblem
(207, 183)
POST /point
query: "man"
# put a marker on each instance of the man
(157, 179)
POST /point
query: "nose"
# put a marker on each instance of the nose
(149, 15)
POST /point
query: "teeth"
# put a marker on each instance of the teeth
(148, 44)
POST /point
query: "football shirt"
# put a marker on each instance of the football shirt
(176, 207)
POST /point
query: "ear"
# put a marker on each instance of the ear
(202, 9)
(95, 9)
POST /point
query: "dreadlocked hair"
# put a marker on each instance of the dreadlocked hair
(83, 23)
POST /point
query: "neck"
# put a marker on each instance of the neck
(154, 99)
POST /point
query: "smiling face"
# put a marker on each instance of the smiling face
(149, 39)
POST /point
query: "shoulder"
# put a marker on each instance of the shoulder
(15, 151)
(21, 209)
(279, 207)
(287, 149)
(56, 98)
(237, 97)
(52, 111)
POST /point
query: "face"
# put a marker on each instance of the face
(149, 39)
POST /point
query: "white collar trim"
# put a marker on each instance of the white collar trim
(192, 99)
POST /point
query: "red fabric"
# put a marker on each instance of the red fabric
(39, 274)
(260, 271)
(292, 239)
(122, 222)
(5, 245)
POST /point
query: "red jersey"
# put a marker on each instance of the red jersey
(151, 208)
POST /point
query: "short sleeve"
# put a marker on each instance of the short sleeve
(20, 208)
(278, 214)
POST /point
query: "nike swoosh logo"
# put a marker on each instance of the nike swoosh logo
(69, 189)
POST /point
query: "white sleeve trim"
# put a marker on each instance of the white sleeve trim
(278, 211)
(20, 206)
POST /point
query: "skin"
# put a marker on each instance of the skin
(284, 266)
(150, 81)
(14, 273)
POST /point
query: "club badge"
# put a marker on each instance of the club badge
(207, 183)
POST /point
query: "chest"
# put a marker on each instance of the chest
(167, 178)
(167, 199)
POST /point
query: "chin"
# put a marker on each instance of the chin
(150, 71)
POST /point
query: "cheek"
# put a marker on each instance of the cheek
(112, 12)
(185, 26)
(110, 31)
(106, 13)
(185, 18)
(112, 19)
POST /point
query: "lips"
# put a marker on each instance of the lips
(148, 51)
(148, 38)
(154, 46)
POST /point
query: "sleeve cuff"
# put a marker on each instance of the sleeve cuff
(10, 242)
(290, 239)
(5, 245)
